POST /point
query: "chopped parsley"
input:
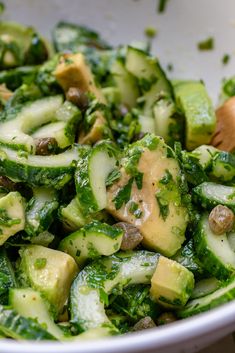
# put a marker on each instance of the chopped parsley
(207, 44)
(170, 67)
(163, 206)
(112, 177)
(161, 7)
(150, 32)
(40, 263)
(2, 7)
(225, 59)
(167, 192)
(139, 180)
(134, 209)
(5, 220)
(123, 195)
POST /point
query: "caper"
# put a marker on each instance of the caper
(221, 219)
(144, 323)
(77, 97)
(131, 237)
(7, 184)
(166, 318)
(45, 146)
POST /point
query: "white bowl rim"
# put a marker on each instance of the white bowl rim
(164, 336)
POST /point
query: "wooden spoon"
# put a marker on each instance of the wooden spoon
(224, 136)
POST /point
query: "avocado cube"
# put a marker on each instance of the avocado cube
(171, 284)
(12, 215)
(73, 71)
(49, 271)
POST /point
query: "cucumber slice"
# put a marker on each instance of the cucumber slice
(40, 210)
(15, 132)
(186, 257)
(7, 276)
(168, 123)
(126, 83)
(147, 124)
(223, 167)
(151, 78)
(92, 241)
(52, 171)
(18, 327)
(147, 70)
(30, 304)
(194, 102)
(204, 287)
(205, 154)
(213, 250)
(91, 174)
(210, 194)
(63, 130)
(210, 301)
(90, 289)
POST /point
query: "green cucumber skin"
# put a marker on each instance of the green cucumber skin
(16, 326)
(210, 201)
(34, 175)
(37, 176)
(196, 306)
(206, 256)
(7, 277)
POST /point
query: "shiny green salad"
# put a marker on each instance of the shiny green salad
(116, 202)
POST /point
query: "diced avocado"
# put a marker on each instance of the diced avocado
(30, 304)
(73, 71)
(92, 241)
(171, 284)
(49, 271)
(97, 130)
(12, 215)
(193, 100)
(149, 196)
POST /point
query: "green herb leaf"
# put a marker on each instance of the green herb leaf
(112, 177)
(123, 195)
(2, 7)
(226, 59)
(207, 44)
(40, 263)
(162, 5)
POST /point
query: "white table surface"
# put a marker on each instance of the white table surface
(226, 345)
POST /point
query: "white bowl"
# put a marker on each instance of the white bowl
(180, 28)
